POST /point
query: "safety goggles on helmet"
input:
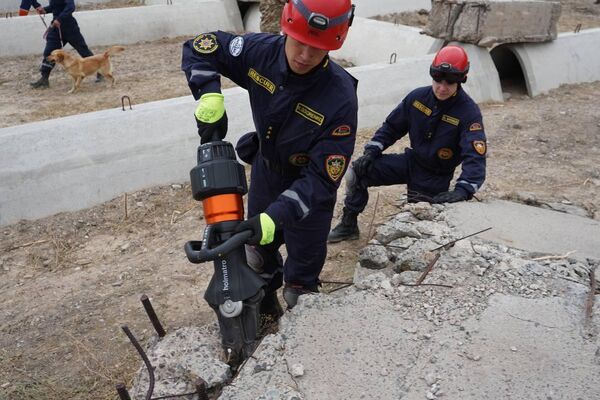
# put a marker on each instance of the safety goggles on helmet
(446, 72)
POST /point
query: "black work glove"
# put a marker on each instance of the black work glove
(451, 196)
(210, 132)
(262, 227)
(364, 164)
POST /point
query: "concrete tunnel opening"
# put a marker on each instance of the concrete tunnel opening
(512, 79)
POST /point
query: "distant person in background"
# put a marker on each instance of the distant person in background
(27, 4)
(270, 15)
(445, 129)
(62, 30)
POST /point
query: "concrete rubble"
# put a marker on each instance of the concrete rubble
(490, 321)
(490, 22)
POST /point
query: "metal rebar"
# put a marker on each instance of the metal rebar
(152, 315)
(122, 391)
(428, 269)
(123, 102)
(149, 366)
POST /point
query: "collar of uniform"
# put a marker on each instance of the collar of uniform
(291, 77)
(449, 101)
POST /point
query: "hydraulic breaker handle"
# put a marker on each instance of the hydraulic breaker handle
(198, 252)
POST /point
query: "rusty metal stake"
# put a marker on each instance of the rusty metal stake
(428, 269)
(123, 102)
(149, 366)
(152, 315)
(122, 391)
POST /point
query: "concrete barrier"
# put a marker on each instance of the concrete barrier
(79, 161)
(571, 58)
(23, 35)
(370, 8)
(370, 41)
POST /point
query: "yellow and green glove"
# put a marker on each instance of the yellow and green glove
(262, 227)
(211, 117)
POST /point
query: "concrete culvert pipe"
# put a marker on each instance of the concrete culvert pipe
(510, 70)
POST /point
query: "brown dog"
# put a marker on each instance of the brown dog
(79, 67)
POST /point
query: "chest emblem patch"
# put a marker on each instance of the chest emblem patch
(342, 130)
(480, 147)
(299, 159)
(450, 120)
(205, 43)
(445, 153)
(422, 107)
(334, 165)
(475, 126)
(261, 80)
(310, 114)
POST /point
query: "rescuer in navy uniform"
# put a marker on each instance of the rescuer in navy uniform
(445, 129)
(63, 29)
(27, 4)
(304, 108)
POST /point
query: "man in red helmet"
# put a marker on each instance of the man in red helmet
(445, 129)
(305, 112)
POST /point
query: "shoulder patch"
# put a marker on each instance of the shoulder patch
(206, 43)
(480, 147)
(310, 114)
(299, 159)
(475, 126)
(334, 165)
(261, 80)
(342, 130)
(236, 45)
(445, 153)
(422, 107)
(450, 120)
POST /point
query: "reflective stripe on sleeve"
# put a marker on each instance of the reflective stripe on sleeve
(294, 196)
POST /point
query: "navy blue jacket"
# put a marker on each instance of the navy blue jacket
(306, 122)
(62, 10)
(443, 134)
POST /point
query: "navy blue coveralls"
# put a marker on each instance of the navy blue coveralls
(304, 139)
(443, 134)
(62, 10)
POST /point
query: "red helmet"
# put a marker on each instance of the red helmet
(451, 64)
(318, 23)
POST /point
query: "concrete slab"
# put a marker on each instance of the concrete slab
(529, 228)
(23, 35)
(370, 8)
(370, 41)
(486, 22)
(575, 59)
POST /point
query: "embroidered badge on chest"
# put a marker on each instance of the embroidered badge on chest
(335, 166)
(206, 43)
(450, 120)
(480, 147)
(445, 153)
(299, 159)
(342, 130)
(310, 114)
(261, 80)
(422, 107)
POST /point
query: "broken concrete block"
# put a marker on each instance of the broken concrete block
(487, 22)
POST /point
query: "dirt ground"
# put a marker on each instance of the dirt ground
(68, 282)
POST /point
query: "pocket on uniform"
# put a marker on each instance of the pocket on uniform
(247, 147)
